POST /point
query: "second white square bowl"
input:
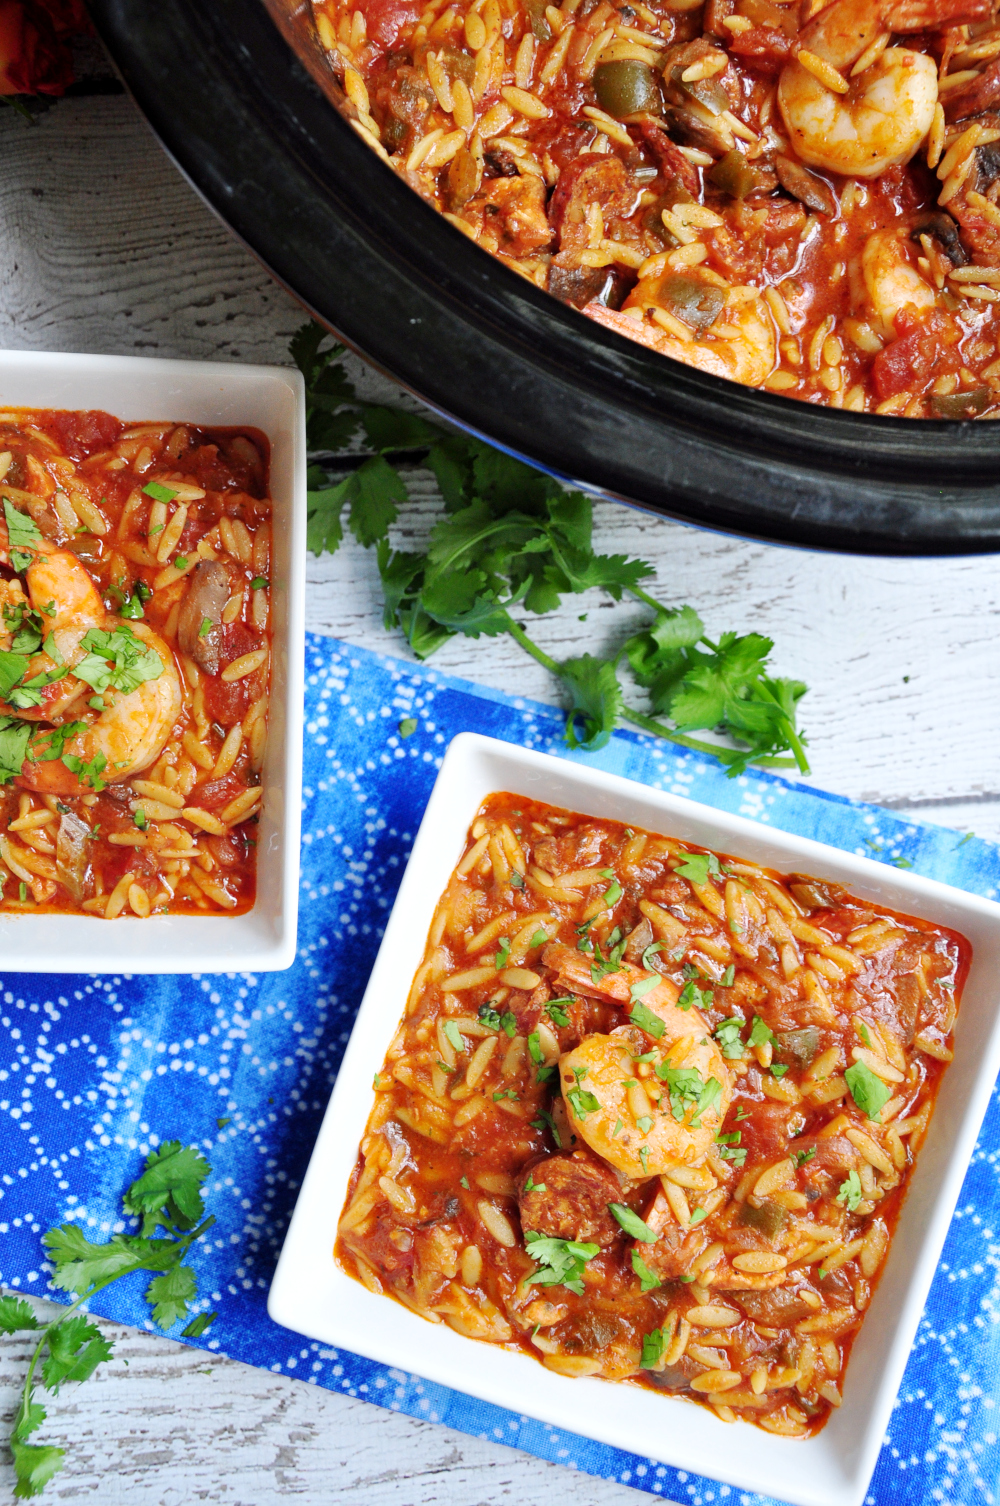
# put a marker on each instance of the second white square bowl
(312, 1296)
(272, 399)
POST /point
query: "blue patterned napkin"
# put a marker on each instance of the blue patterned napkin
(94, 1071)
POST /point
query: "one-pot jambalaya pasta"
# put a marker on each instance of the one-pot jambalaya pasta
(134, 664)
(801, 197)
(651, 1113)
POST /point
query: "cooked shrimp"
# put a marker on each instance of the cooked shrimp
(129, 733)
(887, 109)
(64, 596)
(892, 282)
(123, 739)
(642, 1126)
(739, 346)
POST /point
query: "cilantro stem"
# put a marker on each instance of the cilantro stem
(794, 741)
(544, 659)
(724, 755)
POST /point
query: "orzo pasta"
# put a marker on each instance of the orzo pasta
(134, 664)
(804, 198)
(651, 1113)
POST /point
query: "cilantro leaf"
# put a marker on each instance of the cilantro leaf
(597, 699)
(169, 1294)
(16, 1315)
(502, 957)
(171, 1184)
(454, 1035)
(761, 1034)
(652, 1348)
(727, 1033)
(34, 1466)
(546, 1121)
(646, 1020)
(76, 1347)
(851, 1192)
(869, 1092)
(691, 995)
(13, 668)
(582, 1103)
(324, 505)
(557, 1013)
(14, 738)
(117, 660)
(632, 1223)
(697, 866)
(648, 1279)
(641, 987)
(560, 1262)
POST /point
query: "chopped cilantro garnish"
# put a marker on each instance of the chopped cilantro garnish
(644, 1158)
(539, 939)
(612, 894)
(617, 1129)
(697, 866)
(632, 1223)
(648, 1279)
(516, 879)
(508, 1093)
(646, 1020)
(532, 1186)
(159, 492)
(535, 1047)
(546, 1121)
(869, 1092)
(697, 1215)
(464, 1182)
(489, 1017)
(22, 890)
(641, 987)
(407, 726)
(612, 963)
(503, 954)
(87, 773)
(863, 1032)
(259, 583)
(691, 994)
(851, 1192)
(454, 1035)
(206, 627)
(802, 1156)
(729, 976)
(24, 536)
(687, 1089)
(560, 1262)
(140, 819)
(645, 1124)
(582, 1102)
(650, 952)
(652, 1347)
(778, 1069)
(117, 660)
(727, 1033)
(14, 738)
(556, 1012)
(760, 1035)
(180, 562)
(508, 1023)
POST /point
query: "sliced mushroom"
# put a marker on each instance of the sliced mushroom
(943, 228)
(813, 192)
(73, 855)
(200, 619)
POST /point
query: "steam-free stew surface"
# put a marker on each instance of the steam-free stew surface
(651, 1113)
(134, 663)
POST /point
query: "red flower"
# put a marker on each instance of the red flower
(34, 57)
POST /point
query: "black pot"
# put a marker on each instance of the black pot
(260, 140)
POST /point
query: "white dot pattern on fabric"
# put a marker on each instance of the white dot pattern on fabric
(95, 1072)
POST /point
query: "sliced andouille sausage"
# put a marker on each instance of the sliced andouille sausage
(567, 1197)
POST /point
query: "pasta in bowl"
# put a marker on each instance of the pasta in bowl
(651, 1112)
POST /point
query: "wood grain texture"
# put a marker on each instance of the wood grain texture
(104, 247)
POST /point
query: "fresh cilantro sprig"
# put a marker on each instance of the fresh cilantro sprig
(167, 1197)
(513, 542)
(560, 1261)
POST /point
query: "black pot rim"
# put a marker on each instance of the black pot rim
(258, 139)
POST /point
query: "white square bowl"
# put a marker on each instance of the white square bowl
(207, 393)
(311, 1296)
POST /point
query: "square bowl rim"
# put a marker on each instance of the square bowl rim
(342, 1312)
(262, 939)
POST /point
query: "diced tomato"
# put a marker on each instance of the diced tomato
(908, 362)
(86, 433)
(386, 20)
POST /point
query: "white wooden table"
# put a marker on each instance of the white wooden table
(104, 247)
